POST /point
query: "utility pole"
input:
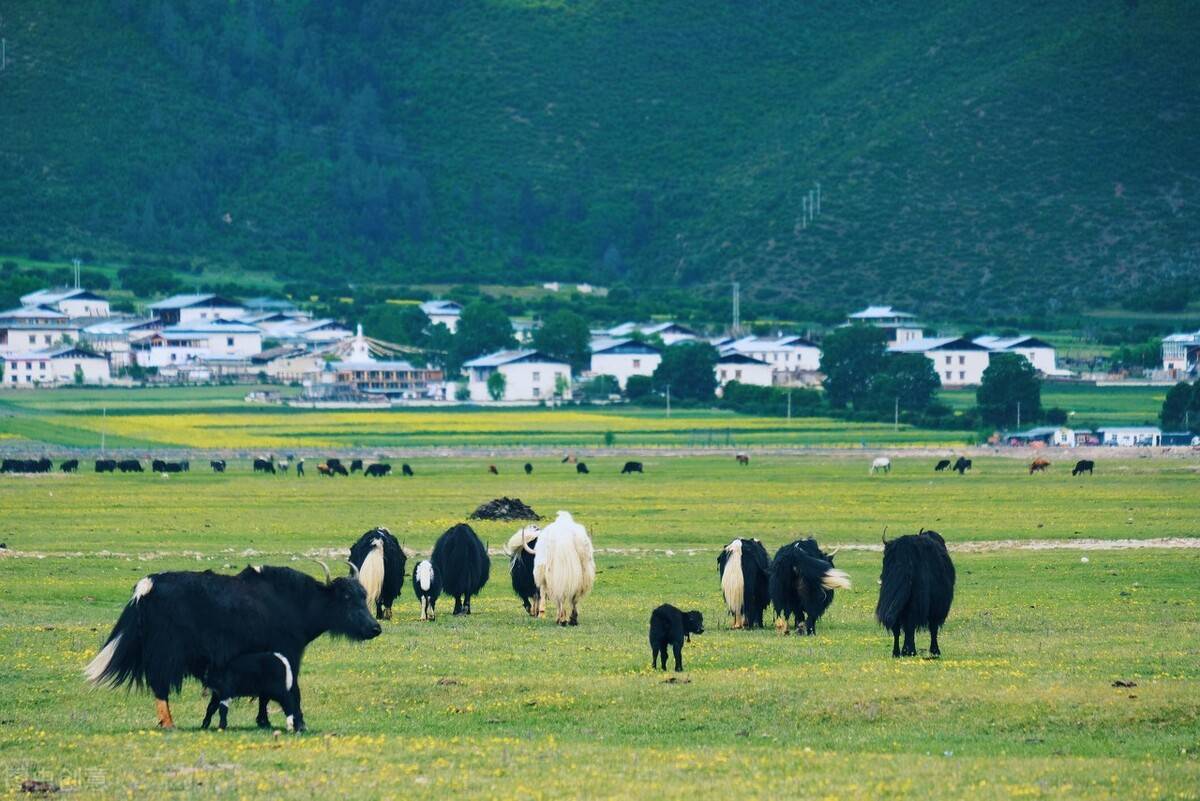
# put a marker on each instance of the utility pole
(789, 396)
(818, 197)
(737, 308)
(103, 423)
(896, 415)
(3, 54)
(1018, 415)
(668, 400)
(76, 262)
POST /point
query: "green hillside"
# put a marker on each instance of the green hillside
(974, 158)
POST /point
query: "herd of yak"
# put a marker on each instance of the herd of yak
(245, 635)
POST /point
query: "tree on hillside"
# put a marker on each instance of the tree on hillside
(565, 335)
(850, 358)
(1010, 389)
(404, 324)
(907, 378)
(483, 328)
(1181, 408)
(688, 369)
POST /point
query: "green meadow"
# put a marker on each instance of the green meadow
(1022, 703)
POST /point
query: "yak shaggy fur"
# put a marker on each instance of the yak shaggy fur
(564, 568)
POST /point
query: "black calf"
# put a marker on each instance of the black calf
(670, 626)
(266, 675)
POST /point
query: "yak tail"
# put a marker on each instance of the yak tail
(424, 575)
(583, 549)
(733, 585)
(122, 659)
(370, 573)
(898, 590)
(835, 579)
(822, 573)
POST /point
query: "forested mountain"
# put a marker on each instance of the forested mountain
(977, 155)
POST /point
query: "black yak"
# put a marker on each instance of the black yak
(520, 550)
(427, 585)
(743, 459)
(528, 469)
(335, 468)
(492, 470)
(962, 466)
(942, 465)
(106, 465)
(581, 468)
(265, 465)
(263, 675)
(217, 465)
(1083, 466)
(378, 561)
(69, 466)
(744, 568)
(916, 589)
(182, 624)
(405, 469)
(356, 465)
(129, 466)
(461, 560)
(377, 470)
(671, 626)
(631, 467)
(802, 582)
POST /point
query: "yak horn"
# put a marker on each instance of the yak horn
(833, 553)
(885, 535)
(525, 547)
(353, 569)
(325, 567)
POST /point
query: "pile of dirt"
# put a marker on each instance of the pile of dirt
(504, 509)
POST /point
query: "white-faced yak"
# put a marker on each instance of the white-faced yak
(183, 624)
(564, 568)
(379, 562)
(916, 589)
(427, 586)
(670, 626)
(803, 579)
(461, 560)
(265, 675)
(521, 553)
(744, 568)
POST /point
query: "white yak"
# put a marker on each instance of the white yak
(563, 567)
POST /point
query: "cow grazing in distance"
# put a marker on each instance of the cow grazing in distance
(671, 626)
(129, 466)
(331, 462)
(1039, 465)
(564, 568)
(942, 465)
(428, 587)
(336, 468)
(962, 466)
(520, 549)
(182, 624)
(264, 465)
(217, 465)
(581, 468)
(743, 459)
(41, 465)
(405, 469)
(158, 466)
(106, 465)
(461, 560)
(916, 589)
(378, 560)
(631, 467)
(377, 470)
(356, 465)
(744, 568)
(263, 675)
(881, 464)
(492, 470)
(323, 470)
(1083, 466)
(528, 469)
(802, 583)
(69, 466)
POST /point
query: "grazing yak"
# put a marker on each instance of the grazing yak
(564, 568)
(378, 560)
(405, 469)
(427, 586)
(262, 465)
(1039, 465)
(745, 568)
(631, 467)
(581, 468)
(802, 582)
(264, 675)
(42, 465)
(217, 465)
(462, 561)
(323, 470)
(356, 465)
(881, 463)
(916, 589)
(743, 459)
(521, 553)
(181, 624)
(1083, 466)
(70, 466)
(528, 469)
(129, 466)
(106, 465)
(941, 465)
(377, 470)
(962, 466)
(492, 470)
(336, 468)
(671, 626)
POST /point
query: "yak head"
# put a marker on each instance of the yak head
(346, 612)
(693, 622)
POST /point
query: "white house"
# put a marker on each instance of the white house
(901, 326)
(1036, 351)
(446, 312)
(1181, 354)
(958, 362)
(1127, 436)
(528, 376)
(114, 337)
(71, 302)
(216, 340)
(32, 328)
(54, 366)
(787, 355)
(199, 308)
(622, 358)
(669, 332)
(743, 369)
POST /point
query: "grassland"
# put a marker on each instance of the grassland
(1088, 405)
(499, 706)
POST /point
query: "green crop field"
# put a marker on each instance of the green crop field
(1022, 703)
(1087, 404)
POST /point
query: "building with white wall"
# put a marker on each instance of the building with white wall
(179, 344)
(787, 355)
(32, 328)
(958, 362)
(622, 358)
(744, 369)
(901, 326)
(114, 337)
(528, 376)
(66, 364)
(1038, 352)
(1181, 355)
(74, 303)
(669, 332)
(198, 308)
(445, 312)
(1131, 436)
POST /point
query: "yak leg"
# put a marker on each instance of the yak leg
(896, 640)
(910, 642)
(163, 708)
(467, 605)
(933, 646)
(263, 720)
(296, 717)
(574, 620)
(212, 710)
(458, 607)
(678, 648)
